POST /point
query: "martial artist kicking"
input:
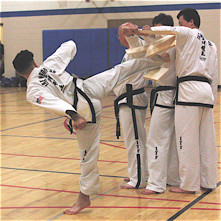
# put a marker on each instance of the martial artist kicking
(52, 88)
(197, 72)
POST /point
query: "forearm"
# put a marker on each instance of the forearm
(62, 57)
(48, 101)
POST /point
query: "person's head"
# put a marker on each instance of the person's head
(122, 38)
(189, 17)
(24, 63)
(163, 20)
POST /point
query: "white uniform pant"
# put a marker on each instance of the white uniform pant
(161, 146)
(97, 88)
(88, 144)
(196, 145)
(137, 169)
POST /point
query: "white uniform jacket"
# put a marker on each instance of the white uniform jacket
(51, 87)
(193, 58)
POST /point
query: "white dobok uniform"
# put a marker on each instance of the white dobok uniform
(136, 146)
(196, 67)
(51, 87)
(161, 142)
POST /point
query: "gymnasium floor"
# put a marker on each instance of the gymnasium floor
(40, 171)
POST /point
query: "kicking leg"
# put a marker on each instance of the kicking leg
(100, 85)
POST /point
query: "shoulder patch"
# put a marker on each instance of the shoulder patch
(39, 99)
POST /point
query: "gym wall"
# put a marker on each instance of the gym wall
(25, 22)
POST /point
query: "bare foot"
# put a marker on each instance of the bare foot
(82, 202)
(148, 192)
(127, 186)
(179, 190)
(127, 179)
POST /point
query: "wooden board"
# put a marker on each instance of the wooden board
(160, 45)
(136, 50)
(156, 47)
(156, 74)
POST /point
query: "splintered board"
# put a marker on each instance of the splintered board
(156, 74)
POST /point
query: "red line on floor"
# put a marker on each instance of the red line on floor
(133, 207)
(108, 117)
(91, 207)
(204, 208)
(210, 203)
(109, 195)
(112, 145)
(149, 198)
(108, 106)
(65, 125)
(60, 158)
(134, 197)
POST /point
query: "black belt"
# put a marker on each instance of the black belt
(191, 78)
(129, 96)
(78, 90)
(154, 95)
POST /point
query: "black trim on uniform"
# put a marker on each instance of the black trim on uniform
(75, 94)
(77, 89)
(164, 106)
(194, 104)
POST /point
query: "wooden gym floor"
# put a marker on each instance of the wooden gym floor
(40, 171)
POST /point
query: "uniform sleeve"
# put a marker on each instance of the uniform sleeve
(183, 31)
(62, 57)
(41, 98)
(163, 28)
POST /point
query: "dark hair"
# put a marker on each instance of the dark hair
(23, 61)
(188, 14)
(163, 19)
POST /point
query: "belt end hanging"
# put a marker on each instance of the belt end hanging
(118, 134)
(70, 126)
